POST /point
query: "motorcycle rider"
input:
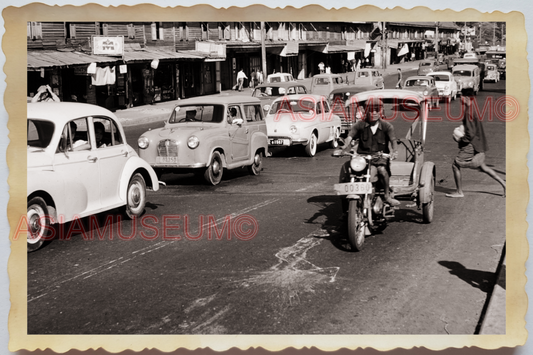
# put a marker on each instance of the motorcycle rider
(372, 135)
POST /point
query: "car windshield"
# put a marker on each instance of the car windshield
(417, 82)
(424, 64)
(292, 105)
(462, 73)
(268, 91)
(441, 77)
(321, 81)
(197, 113)
(39, 133)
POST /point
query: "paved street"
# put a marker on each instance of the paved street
(266, 255)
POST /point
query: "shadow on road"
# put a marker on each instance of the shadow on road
(482, 280)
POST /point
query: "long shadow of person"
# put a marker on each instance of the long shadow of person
(479, 279)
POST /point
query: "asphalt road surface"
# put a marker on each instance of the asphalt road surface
(266, 255)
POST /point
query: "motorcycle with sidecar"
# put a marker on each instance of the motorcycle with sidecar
(410, 176)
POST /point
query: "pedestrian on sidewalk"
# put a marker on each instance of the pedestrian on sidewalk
(321, 67)
(399, 83)
(472, 147)
(240, 79)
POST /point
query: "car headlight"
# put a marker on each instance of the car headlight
(294, 129)
(143, 142)
(426, 92)
(446, 87)
(470, 84)
(358, 163)
(193, 142)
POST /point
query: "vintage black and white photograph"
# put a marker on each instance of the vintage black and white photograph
(277, 177)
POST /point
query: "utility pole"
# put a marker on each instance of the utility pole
(384, 48)
(494, 34)
(436, 40)
(263, 50)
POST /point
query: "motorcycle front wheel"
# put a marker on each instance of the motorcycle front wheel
(356, 227)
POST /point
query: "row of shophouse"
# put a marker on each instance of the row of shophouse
(119, 65)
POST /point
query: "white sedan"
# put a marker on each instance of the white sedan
(79, 164)
(302, 120)
(446, 84)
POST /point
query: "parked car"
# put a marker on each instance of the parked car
(446, 84)
(302, 120)
(279, 78)
(322, 84)
(338, 101)
(424, 85)
(79, 164)
(269, 92)
(206, 135)
(467, 76)
(492, 73)
(427, 66)
(366, 77)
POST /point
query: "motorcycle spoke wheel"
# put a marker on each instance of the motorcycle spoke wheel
(356, 227)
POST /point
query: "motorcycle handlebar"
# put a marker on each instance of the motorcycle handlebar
(341, 153)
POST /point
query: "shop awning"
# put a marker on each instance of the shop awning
(343, 49)
(398, 43)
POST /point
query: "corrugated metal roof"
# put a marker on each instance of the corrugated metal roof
(50, 58)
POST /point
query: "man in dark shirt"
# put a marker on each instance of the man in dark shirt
(373, 135)
(472, 148)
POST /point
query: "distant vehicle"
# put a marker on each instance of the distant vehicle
(279, 78)
(468, 76)
(424, 85)
(302, 120)
(206, 135)
(473, 61)
(470, 55)
(339, 100)
(79, 164)
(446, 84)
(366, 77)
(492, 73)
(427, 66)
(322, 84)
(497, 57)
(269, 92)
(440, 58)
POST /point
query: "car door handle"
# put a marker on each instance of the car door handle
(246, 130)
(92, 159)
(124, 153)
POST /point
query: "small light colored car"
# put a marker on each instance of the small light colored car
(470, 55)
(302, 120)
(322, 84)
(467, 76)
(338, 101)
(424, 85)
(446, 84)
(269, 92)
(427, 66)
(79, 164)
(206, 135)
(279, 78)
(366, 77)
(492, 73)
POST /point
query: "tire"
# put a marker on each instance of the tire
(310, 148)
(37, 214)
(454, 96)
(213, 173)
(257, 165)
(356, 229)
(136, 196)
(159, 173)
(427, 192)
(334, 144)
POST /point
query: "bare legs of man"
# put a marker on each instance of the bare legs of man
(459, 183)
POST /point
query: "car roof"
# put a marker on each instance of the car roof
(399, 94)
(353, 89)
(300, 96)
(283, 84)
(62, 112)
(417, 77)
(439, 73)
(465, 67)
(278, 74)
(222, 99)
(326, 75)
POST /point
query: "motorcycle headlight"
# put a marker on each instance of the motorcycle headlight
(294, 129)
(193, 142)
(143, 142)
(358, 163)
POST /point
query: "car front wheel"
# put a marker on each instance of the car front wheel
(136, 196)
(310, 148)
(213, 173)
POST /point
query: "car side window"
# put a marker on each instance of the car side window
(75, 136)
(326, 106)
(106, 133)
(318, 108)
(291, 91)
(234, 111)
(301, 90)
(253, 113)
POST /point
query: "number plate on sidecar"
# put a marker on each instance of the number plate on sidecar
(350, 188)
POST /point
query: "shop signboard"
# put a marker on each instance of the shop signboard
(111, 46)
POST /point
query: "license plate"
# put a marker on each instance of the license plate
(279, 142)
(349, 188)
(166, 160)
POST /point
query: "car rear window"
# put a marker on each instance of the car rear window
(39, 133)
(425, 64)
(197, 113)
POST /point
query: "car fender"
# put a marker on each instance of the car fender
(427, 172)
(259, 140)
(53, 194)
(133, 165)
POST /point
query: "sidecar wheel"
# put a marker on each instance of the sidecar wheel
(356, 229)
(427, 192)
